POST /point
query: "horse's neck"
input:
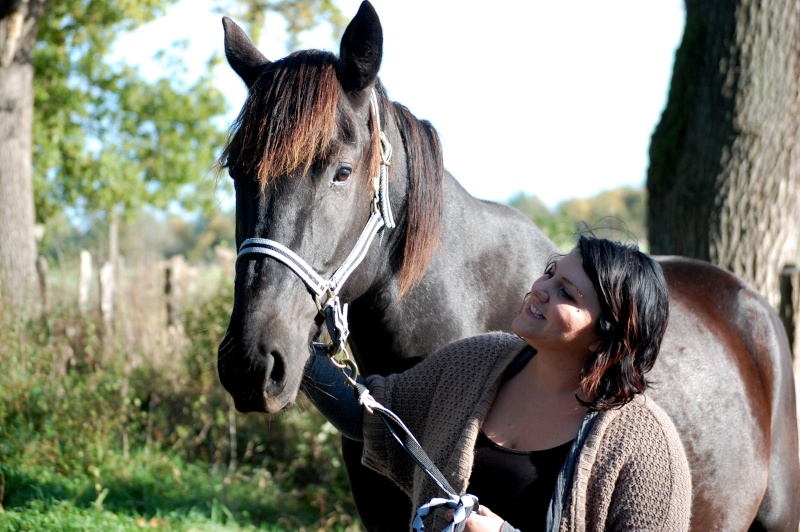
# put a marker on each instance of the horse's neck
(486, 261)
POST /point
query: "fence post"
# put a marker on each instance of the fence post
(107, 295)
(173, 288)
(41, 271)
(85, 281)
(169, 293)
(789, 308)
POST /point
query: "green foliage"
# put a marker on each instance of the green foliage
(103, 136)
(91, 439)
(618, 213)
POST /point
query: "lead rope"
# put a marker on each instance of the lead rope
(463, 505)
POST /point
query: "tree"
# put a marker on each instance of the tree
(18, 24)
(105, 138)
(723, 177)
(617, 213)
(99, 137)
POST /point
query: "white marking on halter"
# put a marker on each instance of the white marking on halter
(381, 217)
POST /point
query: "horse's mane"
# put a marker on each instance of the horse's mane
(423, 224)
(289, 122)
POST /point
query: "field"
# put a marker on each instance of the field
(119, 423)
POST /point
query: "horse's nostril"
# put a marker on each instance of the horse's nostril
(277, 370)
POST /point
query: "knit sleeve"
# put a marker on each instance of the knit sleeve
(409, 395)
(427, 398)
(650, 487)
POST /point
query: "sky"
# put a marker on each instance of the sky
(557, 99)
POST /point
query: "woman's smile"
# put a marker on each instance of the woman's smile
(561, 310)
(534, 312)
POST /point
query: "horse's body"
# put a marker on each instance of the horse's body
(301, 157)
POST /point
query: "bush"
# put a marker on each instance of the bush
(98, 433)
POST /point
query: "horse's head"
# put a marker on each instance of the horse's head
(302, 155)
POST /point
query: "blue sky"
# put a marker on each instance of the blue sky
(556, 99)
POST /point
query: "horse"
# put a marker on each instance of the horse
(309, 158)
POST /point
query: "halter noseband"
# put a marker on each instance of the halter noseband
(326, 291)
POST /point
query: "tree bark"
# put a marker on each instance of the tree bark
(17, 239)
(723, 177)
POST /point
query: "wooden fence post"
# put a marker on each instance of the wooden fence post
(41, 272)
(107, 295)
(789, 308)
(169, 293)
(85, 281)
(174, 274)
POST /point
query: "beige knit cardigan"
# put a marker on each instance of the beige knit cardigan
(631, 474)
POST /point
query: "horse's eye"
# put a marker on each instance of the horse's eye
(342, 175)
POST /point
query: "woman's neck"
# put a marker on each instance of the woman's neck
(553, 373)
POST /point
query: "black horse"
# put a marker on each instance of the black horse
(302, 155)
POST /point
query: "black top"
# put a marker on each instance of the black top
(516, 485)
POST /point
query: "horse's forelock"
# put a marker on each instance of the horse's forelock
(289, 119)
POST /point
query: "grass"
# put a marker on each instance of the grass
(131, 430)
(159, 491)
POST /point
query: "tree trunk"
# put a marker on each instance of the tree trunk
(723, 176)
(18, 22)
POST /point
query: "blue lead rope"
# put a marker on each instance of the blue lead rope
(463, 505)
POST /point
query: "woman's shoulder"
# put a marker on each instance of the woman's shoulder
(644, 414)
(639, 422)
(461, 363)
(497, 342)
(467, 356)
(645, 432)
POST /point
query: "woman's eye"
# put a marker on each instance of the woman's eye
(342, 175)
(566, 295)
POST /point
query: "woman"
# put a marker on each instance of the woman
(549, 428)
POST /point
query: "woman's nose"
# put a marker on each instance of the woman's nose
(539, 291)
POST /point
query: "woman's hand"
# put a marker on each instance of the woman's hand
(484, 520)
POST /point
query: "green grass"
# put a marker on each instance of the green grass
(163, 492)
(91, 441)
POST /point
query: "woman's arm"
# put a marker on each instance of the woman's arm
(327, 389)
(654, 486)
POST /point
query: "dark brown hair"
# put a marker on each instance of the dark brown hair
(634, 303)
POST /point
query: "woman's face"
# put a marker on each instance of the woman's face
(562, 310)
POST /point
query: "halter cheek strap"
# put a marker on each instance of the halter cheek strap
(326, 291)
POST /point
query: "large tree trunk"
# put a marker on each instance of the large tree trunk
(18, 22)
(723, 176)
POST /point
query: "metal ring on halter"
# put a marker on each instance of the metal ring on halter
(346, 363)
(351, 364)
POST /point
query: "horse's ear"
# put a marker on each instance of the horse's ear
(361, 50)
(242, 54)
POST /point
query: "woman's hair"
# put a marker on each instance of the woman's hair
(634, 309)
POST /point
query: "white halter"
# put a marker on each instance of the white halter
(331, 307)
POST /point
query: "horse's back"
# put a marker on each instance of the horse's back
(724, 375)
